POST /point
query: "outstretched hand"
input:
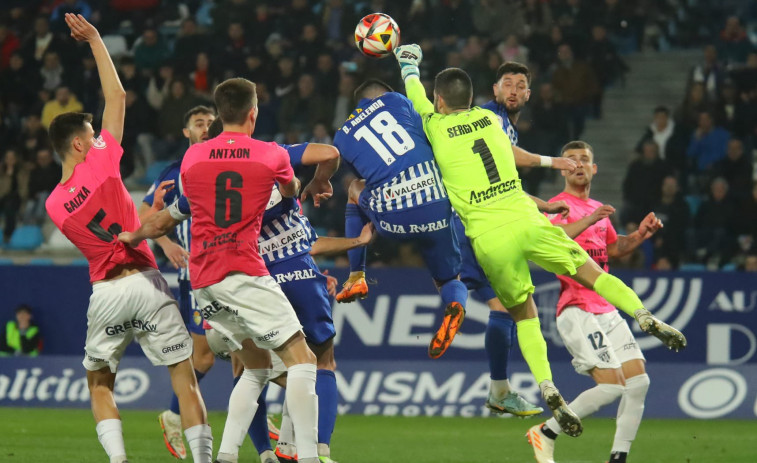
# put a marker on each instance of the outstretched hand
(320, 190)
(160, 193)
(649, 225)
(409, 57)
(81, 29)
(564, 164)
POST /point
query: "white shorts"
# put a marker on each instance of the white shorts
(597, 340)
(248, 307)
(137, 306)
(219, 344)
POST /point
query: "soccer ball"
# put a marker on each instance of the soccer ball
(376, 35)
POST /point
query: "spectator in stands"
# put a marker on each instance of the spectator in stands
(286, 78)
(171, 117)
(231, 11)
(745, 225)
(33, 137)
(750, 263)
(606, 63)
(7, 133)
(18, 84)
(139, 120)
(736, 169)
(188, 43)
(159, 86)
(673, 211)
(254, 70)
(57, 21)
(537, 17)
(87, 85)
(669, 137)
(52, 72)
(308, 47)
(345, 99)
(64, 102)
(14, 183)
(708, 145)
(302, 109)
(233, 51)
(734, 44)
(326, 76)
(131, 79)
(687, 114)
(745, 77)
(550, 121)
(21, 336)
(149, 51)
(9, 43)
(202, 77)
(266, 125)
(576, 87)
(40, 42)
(43, 178)
(511, 50)
(642, 186)
(337, 20)
(709, 73)
(495, 19)
(736, 113)
(713, 241)
(452, 21)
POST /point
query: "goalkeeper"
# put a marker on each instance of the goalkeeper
(505, 228)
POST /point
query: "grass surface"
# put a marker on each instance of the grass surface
(52, 435)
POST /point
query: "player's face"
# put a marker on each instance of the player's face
(197, 127)
(84, 141)
(512, 91)
(586, 168)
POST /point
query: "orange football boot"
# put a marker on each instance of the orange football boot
(355, 287)
(453, 318)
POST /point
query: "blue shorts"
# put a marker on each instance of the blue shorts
(190, 312)
(428, 227)
(305, 287)
(471, 273)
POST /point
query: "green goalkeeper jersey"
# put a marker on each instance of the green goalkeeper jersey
(476, 162)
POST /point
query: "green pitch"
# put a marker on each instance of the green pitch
(51, 435)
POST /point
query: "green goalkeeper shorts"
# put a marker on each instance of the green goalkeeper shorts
(504, 253)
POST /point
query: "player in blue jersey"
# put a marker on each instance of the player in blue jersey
(401, 192)
(196, 123)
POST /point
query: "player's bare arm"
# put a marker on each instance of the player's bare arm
(113, 91)
(557, 207)
(290, 190)
(173, 251)
(628, 243)
(576, 228)
(524, 158)
(333, 245)
(157, 225)
(327, 159)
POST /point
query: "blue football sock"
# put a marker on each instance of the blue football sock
(175, 400)
(454, 291)
(258, 431)
(328, 399)
(499, 338)
(354, 221)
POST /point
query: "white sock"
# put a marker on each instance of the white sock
(200, 440)
(500, 388)
(629, 412)
(243, 403)
(111, 437)
(285, 443)
(303, 408)
(589, 401)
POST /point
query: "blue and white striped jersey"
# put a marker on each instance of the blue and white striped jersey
(285, 232)
(182, 230)
(384, 142)
(501, 111)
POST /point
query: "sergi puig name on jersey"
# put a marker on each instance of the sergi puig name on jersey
(229, 153)
(362, 115)
(463, 129)
(78, 200)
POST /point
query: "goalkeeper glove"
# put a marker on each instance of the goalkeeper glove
(409, 57)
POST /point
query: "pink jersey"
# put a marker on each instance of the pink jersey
(228, 182)
(93, 206)
(594, 240)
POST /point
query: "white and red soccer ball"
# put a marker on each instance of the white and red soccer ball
(376, 35)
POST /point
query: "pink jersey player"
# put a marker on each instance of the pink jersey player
(228, 182)
(92, 207)
(594, 240)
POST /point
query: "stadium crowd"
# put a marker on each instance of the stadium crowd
(171, 53)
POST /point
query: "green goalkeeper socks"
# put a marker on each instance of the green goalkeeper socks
(617, 293)
(534, 348)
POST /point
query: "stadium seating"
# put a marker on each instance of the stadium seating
(25, 238)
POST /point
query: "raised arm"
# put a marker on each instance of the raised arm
(333, 245)
(409, 57)
(576, 228)
(628, 243)
(155, 226)
(524, 158)
(113, 91)
(326, 157)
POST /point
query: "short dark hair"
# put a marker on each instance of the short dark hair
(369, 86)
(577, 145)
(199, 109)
(64, 127)
(662, 109)
(234, 99)
(24, 308)
(512, 67)
(455, 86)
(215, 129)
